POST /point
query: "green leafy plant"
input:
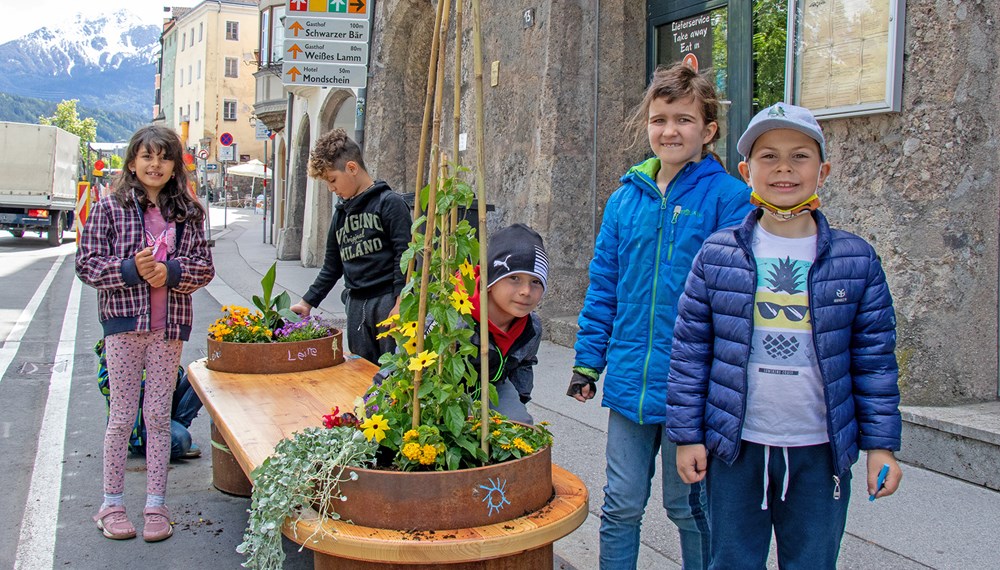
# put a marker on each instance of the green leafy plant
(428, 378)
(429, 400)
(273, 322)
(276, 310)
(305, 472)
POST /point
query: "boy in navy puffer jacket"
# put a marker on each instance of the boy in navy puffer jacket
(783, 362)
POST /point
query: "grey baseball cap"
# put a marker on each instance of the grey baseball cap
(782, 116)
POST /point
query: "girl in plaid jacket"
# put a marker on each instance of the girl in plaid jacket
(144, 250)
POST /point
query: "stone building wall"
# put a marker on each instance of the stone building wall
(920, 185)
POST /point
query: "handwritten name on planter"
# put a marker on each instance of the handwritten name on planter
(304, 354)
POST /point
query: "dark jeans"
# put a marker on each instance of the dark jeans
(808, 522)
(363, 317)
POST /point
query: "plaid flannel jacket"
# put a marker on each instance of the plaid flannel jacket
(105, 260)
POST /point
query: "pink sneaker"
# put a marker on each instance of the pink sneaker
(157, 525)
(114, 524)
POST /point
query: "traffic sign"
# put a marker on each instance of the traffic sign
(319, 27)
(338, 8)
(99, 164)
(326, 74)
(203, 154)
(261, 132)
(330, 52)
(211, 166)
(225, 139)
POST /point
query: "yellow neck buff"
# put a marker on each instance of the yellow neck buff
(783, 214)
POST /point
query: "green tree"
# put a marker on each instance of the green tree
(770, 21)
(67, 119)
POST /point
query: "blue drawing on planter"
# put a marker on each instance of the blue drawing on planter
(496, 495)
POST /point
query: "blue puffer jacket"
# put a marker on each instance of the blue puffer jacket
(642, 256)
(854, 332)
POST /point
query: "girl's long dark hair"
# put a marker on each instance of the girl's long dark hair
(174, 201)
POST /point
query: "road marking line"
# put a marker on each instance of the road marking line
(36, 546)
(13, 341)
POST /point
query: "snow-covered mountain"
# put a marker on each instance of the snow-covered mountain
(107, 62)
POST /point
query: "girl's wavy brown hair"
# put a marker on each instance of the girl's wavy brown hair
(174, 201)
(677, 82)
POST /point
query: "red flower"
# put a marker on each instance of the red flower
(336, 419)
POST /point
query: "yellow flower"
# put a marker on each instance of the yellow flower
(382, 335)
(412, 434)
(460, 300)
(422, 360)
(523, 445)
(467, 269)
(496, 433)
(411, 451)
(410, 346)
(225, 308)
(427, 455)
(409, 329)
(375, 427)
(389, 321)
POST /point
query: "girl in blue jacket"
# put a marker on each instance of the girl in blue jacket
(653, 225)
(783, 364)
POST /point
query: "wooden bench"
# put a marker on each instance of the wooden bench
(254, 412)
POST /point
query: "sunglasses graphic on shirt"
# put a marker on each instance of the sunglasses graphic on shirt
(794, 313)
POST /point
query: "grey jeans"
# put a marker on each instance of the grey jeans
(363, 317)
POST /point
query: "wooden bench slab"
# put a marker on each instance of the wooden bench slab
(255, 412)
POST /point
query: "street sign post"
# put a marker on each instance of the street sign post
(325, 74)
(326, 43)
(318, 27)
(337, 8)
(225, 139)
(261, 131)
(328, 52)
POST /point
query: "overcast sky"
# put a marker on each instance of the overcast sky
(22, 17)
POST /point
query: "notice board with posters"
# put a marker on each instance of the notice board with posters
(846, 56)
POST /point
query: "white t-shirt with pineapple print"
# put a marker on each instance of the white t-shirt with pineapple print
(785, 406)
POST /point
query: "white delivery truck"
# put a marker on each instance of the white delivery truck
(39, 169)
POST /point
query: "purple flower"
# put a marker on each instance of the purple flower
(318, 326)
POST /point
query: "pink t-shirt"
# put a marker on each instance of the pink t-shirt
(162, 236)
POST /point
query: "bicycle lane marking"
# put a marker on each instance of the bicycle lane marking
(36, 545)
(13, 341)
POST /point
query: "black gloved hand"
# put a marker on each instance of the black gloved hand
(576, 384)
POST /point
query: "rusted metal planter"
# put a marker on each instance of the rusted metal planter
(275, 357)
(442, 500)
(227, 475)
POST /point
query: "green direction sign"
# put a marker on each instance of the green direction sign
(326, 29)
(330, 52)
(325, 74)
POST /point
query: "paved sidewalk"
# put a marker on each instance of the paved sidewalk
(933, 521)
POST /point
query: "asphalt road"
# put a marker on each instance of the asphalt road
(49, 403)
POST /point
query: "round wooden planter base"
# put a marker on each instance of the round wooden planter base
(275, 357)
(536, 559)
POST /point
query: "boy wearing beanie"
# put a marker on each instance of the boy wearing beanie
(783, 364)
(516, 271)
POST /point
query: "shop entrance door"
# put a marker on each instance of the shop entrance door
(739, 44)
